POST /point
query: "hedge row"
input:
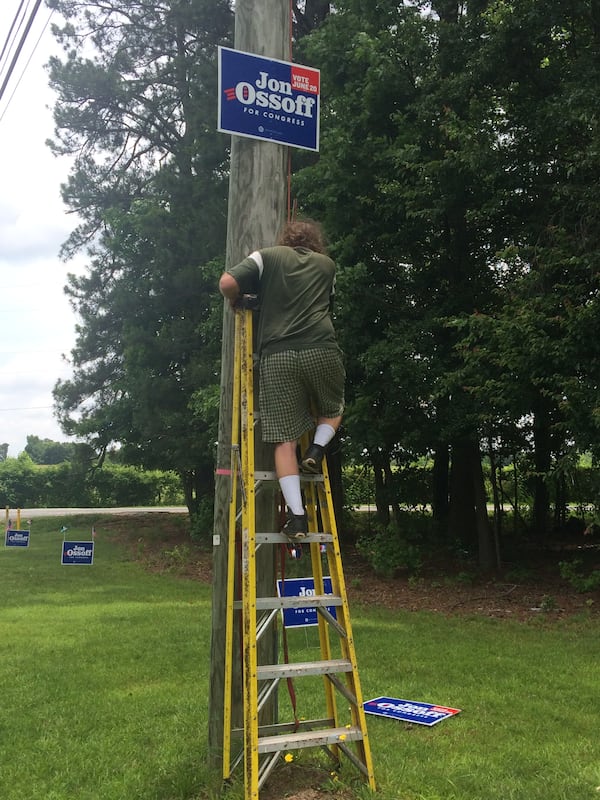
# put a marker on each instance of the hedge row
(24, 484)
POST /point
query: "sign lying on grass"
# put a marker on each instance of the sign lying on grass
(264, 98)
(77, 552)
(409, 711)
(16, 538)
(302, 587)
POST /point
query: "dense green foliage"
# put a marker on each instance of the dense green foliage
(24, 484)
(47, 451)
(460, 150)
(149, 184)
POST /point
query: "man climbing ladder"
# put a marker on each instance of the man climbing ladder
(301, 366)
(341, 727)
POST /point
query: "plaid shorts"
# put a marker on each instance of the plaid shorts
(295, 387)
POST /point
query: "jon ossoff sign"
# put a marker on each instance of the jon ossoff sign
(302, 617)
(263, 98)
(77, 553)
(409, 710)
(16, 538)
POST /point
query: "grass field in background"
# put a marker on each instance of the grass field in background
(104, 681)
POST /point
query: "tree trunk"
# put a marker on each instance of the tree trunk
(381, 498)
(496, 481)
(440, 481)
(334, 465)
(469, 522)
(485, 539)
(462, 522)
(542, 462)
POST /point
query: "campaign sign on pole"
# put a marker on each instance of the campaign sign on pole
(16, 538)
(78, 552)
(302, 587)
(264, 98)
(408, 710)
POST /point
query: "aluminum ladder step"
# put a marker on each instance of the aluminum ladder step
(281, 538)
(295, 741)
(271, 475)
(313, 601)
(300, 669)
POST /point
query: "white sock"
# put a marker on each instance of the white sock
(324, 434)
(290, 487)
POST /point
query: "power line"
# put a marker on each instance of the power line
(27, 408)
(20, 78)
(22, 40)
(6, 45)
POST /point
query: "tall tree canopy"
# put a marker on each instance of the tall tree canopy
(455, 178)
(136, 97)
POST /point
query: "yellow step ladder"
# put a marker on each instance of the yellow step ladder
(342, 730)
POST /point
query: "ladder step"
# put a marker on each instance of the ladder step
(314, 601)
(295, 741)
(281, 538)
(301, 669)
(271, 475)
(277, 729)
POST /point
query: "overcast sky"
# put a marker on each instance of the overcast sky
(36, 321)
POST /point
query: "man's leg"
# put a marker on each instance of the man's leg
(324, 433)
(324, 375)
(326, 430)
(286, 467)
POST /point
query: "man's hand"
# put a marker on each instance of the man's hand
(247, 302)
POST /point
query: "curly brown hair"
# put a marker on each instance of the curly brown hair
(303, 233)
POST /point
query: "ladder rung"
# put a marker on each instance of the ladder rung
(294, 741)
(293, 727)
(301, 669)
(314, 601)
(277, 729)
(271, 475)
(281, 538)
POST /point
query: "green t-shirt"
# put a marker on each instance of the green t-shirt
(294, 286)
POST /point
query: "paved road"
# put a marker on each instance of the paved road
(30, 513)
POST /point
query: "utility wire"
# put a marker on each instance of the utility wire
(27, 408)
(6, 45)
(12, 94)
(15, 57)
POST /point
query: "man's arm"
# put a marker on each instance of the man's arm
(229, 288)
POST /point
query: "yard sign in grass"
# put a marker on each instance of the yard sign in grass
(302, 587)
(16, 538)
(409, 711)
(78, 553)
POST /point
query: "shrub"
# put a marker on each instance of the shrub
(388, 552)
(572, 571)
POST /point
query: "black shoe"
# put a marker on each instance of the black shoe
(313, 459)
(296, 527)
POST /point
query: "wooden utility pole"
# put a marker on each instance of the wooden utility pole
(257, 210)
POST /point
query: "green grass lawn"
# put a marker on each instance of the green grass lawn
(103, 673)
(104, 681)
